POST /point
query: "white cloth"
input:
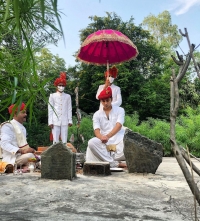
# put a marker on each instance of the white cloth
(20, 133)
(116, 95)
(60, 115)
(9, 140)
(60, 131)
(96, 150)
(59, 109)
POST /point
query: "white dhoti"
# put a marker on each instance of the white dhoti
(97, 152)
(23, 159)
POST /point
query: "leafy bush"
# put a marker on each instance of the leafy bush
(38, 135)
(81, 134)
(154, 129)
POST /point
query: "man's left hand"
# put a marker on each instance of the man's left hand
(104, 139)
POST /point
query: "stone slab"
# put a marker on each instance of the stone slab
(96, 169)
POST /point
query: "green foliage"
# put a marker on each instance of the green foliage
(154, 129)
(187, 130)
(85, 130)
(26, 26)
(38, 135)
(162, 29)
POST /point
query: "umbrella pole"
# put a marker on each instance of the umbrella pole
(107, 67)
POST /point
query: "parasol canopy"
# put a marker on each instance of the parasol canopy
(107, 47)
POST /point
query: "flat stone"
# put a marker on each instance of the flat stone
(96, 168)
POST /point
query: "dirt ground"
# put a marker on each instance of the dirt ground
(121, 196)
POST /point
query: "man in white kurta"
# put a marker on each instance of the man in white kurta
(60, 111)
(15, 149)
(110, 75)
(107, 125)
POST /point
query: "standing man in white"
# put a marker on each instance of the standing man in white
(110, 76)
(60, 110)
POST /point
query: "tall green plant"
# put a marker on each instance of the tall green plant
(26, 25)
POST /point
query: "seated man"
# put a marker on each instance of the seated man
(107, 124)
(15, 149)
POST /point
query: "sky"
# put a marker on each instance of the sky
(184, 13)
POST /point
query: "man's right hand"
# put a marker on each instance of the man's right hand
(51, 126)
(104, 139)
(27, 150)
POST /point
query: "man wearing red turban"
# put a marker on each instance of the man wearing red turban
(15, 149)
(110, 75)
(60, 110)
(107, 125)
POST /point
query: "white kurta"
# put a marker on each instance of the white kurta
(9, 142)
(116, 95)
(60, 115)
(96, 150)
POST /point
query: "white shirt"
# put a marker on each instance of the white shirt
(9, 141)
(61, 113)
(100, 121)
(116, 95)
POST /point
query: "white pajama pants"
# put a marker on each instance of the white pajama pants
(60, 131)
(97, 152)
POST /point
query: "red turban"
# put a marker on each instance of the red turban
(11, 108)
(106, 93)
(112, 72)
(61, 79)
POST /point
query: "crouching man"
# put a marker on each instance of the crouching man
(107, 125)
(15, 149)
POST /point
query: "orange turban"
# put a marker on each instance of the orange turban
(11, 108)
(112, 72)
(106, 93)
(61, 79)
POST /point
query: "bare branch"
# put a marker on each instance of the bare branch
(191, 47)
(182, 33)
(174, 106)
(185, 156)
(180, 57)
(176, 61)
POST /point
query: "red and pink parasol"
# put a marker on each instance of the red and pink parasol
(106, 47)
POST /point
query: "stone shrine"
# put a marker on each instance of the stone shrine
(58, 162)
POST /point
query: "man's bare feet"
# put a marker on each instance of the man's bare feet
(122, 165)
(9, 168)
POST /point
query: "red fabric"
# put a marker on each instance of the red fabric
(10, 109)
(106, 93)
(51, 136)
(61, 79)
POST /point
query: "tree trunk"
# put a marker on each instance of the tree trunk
(174, 106)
